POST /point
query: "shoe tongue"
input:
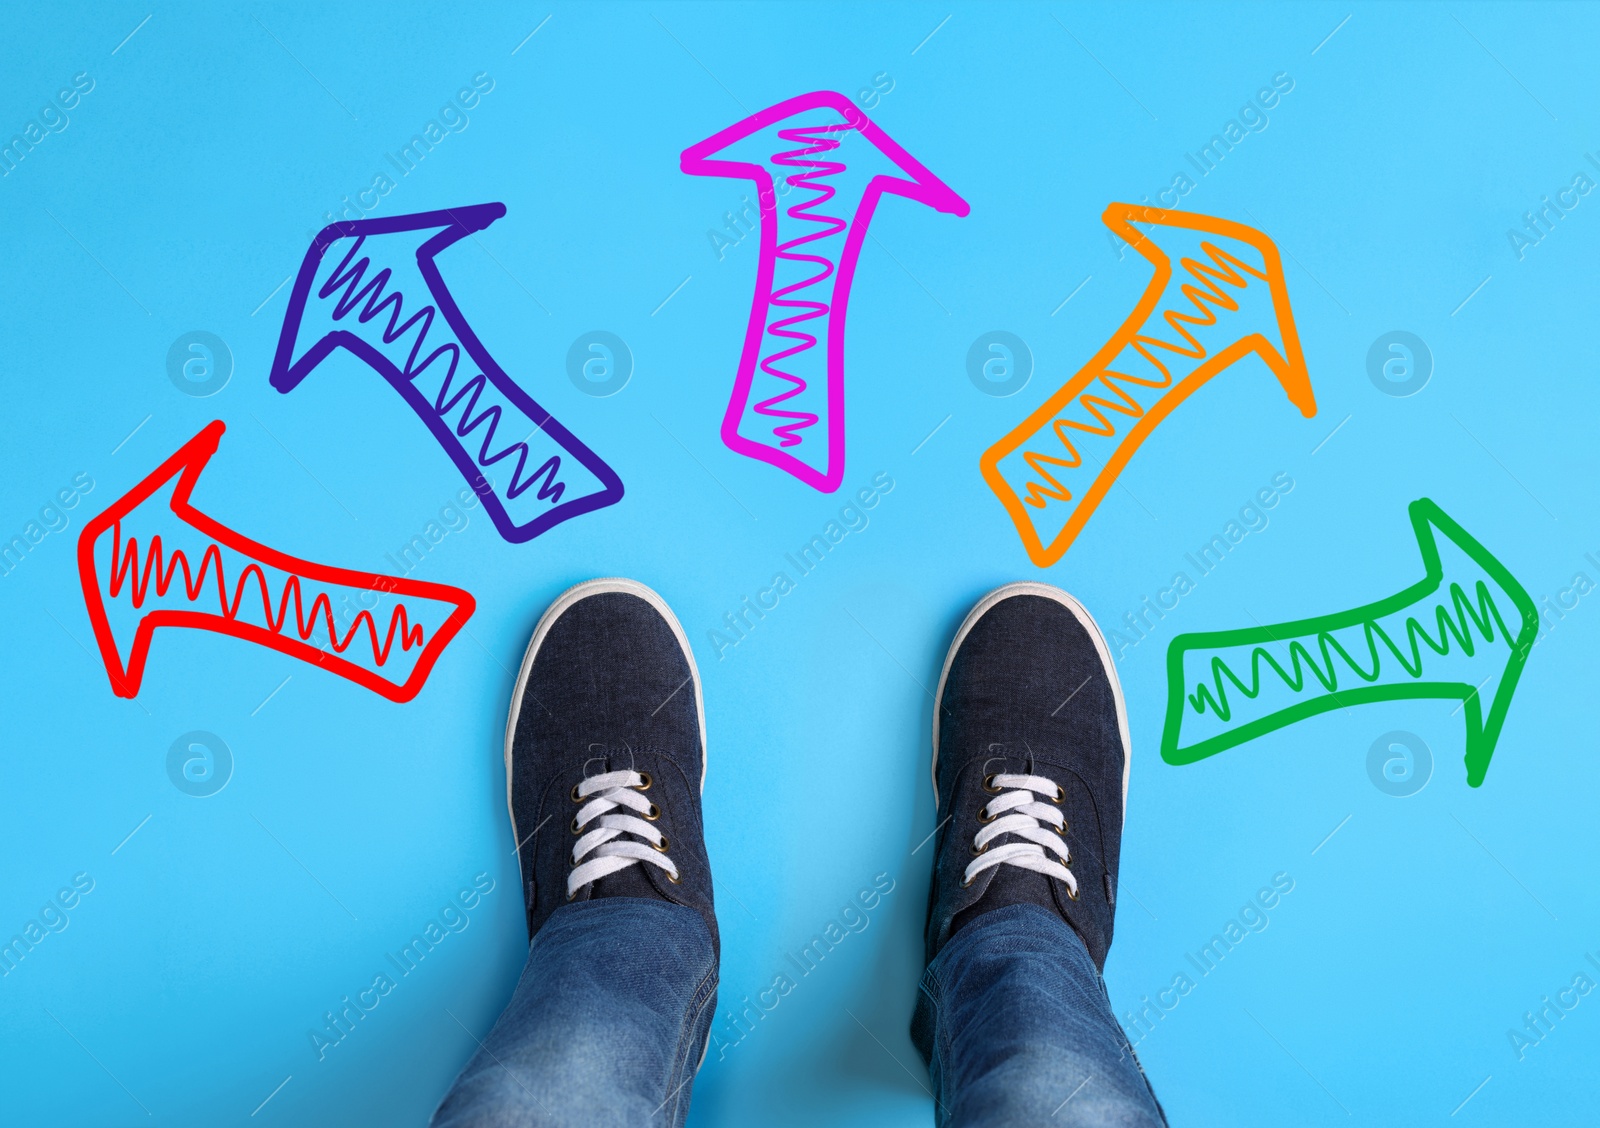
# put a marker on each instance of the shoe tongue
(633, 881)
(1010, 885)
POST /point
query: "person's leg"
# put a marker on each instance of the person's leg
(606, 1027)
(1015, 1019)
(605, 759)
(1030, 775)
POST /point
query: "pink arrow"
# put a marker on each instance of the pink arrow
(818, 272)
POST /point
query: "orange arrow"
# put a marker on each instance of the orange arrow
(1151, 364)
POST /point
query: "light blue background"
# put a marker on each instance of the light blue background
(182, 193)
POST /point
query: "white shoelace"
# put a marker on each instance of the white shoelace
(604, 850)
(1016, 809)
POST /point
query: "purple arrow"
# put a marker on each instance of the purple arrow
(381, 297)
(803, 240)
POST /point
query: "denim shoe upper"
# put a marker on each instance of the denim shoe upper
(606, 727)
(1029, 698)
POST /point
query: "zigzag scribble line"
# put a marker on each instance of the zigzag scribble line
(1225, 269)
(373, 303)
(1458, 621)
(162, 569)
(814, 139)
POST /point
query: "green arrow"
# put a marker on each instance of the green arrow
(1383, 651)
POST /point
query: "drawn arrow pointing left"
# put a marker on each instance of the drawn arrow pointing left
(1462, 632)
(132, 557)
(380, 295)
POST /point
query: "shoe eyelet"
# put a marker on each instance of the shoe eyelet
(660, 847)
(576, 798)
(576, 829)
(645, 786)
(988, 784)
(1060, 796)
(984, 818)
(965, 882)
(653, 813)
(976, 849)
(572, 896)
(1071, 896)
(675, 879)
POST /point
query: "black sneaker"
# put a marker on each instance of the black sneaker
(606, 755)
(1030, 767)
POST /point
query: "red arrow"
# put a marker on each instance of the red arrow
(267, 585)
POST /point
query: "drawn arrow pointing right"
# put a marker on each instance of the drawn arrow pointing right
(380, 295)
(1380, 652)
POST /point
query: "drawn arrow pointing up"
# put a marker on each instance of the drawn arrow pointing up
(1055, 467)
(790, 314)
(1237, 685)
(381, 296)
(234, 586)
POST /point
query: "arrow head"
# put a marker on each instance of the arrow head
(1449, 551)
(397, 245)
(914, 181)
(165, 490)
(1234, 250)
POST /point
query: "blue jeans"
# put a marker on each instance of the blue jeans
(605, 1029)
(611, 1016)
(1014, 1022)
